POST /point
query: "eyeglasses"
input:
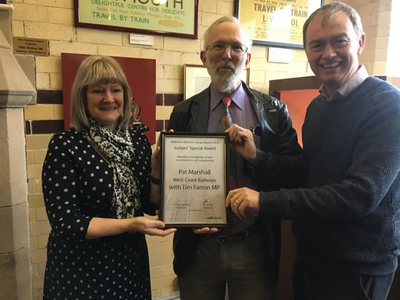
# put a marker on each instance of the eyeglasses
(236, 49)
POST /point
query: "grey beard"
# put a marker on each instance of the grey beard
(227, 84)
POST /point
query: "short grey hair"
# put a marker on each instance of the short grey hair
(247, 41)
(97, 70)
(331, 9)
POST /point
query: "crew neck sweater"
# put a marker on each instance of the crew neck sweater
(348, 214)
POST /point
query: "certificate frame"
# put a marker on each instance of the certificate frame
(196, 79)
(281, 21)
(144, 17)
(193, 188)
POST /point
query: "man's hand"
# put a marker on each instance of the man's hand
(242, 142)
(243, 198)
(205, 230)
(149, 227)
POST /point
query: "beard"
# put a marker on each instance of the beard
(227, 80)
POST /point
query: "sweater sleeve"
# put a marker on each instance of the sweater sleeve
(373, 174)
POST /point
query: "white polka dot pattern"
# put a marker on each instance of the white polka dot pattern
(77, 186)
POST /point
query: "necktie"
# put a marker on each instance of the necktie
(226, 119)
(225, 123)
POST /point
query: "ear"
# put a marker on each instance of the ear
(203, 57)
(248, 58)
(361, 44)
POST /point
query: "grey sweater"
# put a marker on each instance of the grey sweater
(348, 216)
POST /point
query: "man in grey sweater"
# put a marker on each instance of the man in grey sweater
(346, 220)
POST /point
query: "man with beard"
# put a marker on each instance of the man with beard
(347, 220)
(245, 255)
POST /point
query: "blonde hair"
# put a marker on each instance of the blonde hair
(247, 41)
(97, 70)
(330, 10)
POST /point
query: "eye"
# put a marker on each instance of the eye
(97, 91)
(116, 90)
(219, 46)
(237, 47)
(316, 46)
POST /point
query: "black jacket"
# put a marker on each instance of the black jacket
(279, 163)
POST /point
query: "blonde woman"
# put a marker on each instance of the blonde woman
(97, 183)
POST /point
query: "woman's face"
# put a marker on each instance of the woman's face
(105, 103)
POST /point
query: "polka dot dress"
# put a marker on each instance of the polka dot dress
(77, 186)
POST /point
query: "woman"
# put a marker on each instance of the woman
(96, 186)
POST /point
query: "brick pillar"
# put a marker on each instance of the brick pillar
(15, 92)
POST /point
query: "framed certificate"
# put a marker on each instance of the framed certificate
(194, 177)
(276, 23)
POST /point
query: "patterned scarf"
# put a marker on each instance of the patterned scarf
(118, 148)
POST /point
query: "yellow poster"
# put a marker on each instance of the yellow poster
(171, 16)
(278, 21)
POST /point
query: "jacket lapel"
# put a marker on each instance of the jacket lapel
(258, 107)
(200, 111)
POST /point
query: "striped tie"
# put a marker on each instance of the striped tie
(226, 119)
(225, 123)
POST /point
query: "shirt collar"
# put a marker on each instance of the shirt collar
(346, 88)
(237, 97)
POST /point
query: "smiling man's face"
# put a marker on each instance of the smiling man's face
(332, 48)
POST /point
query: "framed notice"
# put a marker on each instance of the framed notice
(194, 177)
(276, 23)
(196, 79)
(160, 17)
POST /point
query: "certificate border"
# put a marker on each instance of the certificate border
(188, 134)
(193, 35)
(270, 43)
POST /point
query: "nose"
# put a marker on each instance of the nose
(108, 97)
(329, 52)
(227, 54)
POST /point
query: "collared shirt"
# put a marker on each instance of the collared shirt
(243, 115)
(350, 85)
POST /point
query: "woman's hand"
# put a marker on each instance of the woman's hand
(150, 227)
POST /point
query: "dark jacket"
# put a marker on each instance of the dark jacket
(279, 163)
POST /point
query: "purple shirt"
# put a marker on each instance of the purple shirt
(243, 115)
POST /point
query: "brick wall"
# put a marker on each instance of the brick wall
(393, 62)
(53, 20)
(376, 18)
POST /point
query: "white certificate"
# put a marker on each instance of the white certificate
(194, 179)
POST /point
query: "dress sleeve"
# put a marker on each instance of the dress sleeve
(60, 178)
